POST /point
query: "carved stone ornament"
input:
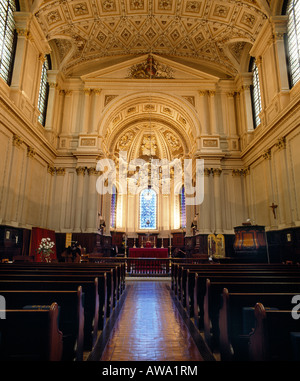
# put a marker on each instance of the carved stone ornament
(150, 69)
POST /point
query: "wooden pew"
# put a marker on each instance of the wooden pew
(271, 339)
(105, 286)
(118, 269)
(212, 301)
(188, 281)
(200, 287)
(183, 281)
(71, 314)
(94, 315)
(71, 269)
(235, 327)
(31, 335)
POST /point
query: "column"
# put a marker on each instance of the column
(16, 81)
(86, 111)
(217, 198)
(51, 99)
(205, 207)
(212, 113)
(79, 198)
(231, 121)
(66, 113)
(203, 112)
(96, 111)
(57, 199)
(92, 212)
(248, 108)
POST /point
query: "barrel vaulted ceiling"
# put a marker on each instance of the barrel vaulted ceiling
(210, 35)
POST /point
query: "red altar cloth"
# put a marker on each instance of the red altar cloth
(148, 252)
(36, 236)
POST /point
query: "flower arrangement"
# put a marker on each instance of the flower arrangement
(45, 249)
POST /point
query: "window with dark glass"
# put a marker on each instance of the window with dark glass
(7, 39)
(293, 40)
(44, 90)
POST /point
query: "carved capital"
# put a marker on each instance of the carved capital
(267, 154)
(51, 170)
(216, 172)
(60, 171)
(17, 141)
(80, 171)
(92, 171)
(30, 152)
(281, 143)
(207, 171)
(236, 173)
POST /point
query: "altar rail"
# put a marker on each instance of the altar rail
(145, 267)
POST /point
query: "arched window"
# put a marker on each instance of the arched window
(182, 208)
(8, 39)
(255, 94)
(44, 90)
(113, 207)
(148, 209)
(293, 40)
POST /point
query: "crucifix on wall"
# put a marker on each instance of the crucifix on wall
(274, 207)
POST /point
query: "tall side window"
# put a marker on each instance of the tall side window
(7, 39)
(148, 209)
(182, 208)
(113, 207)
(293, 40)
(44, 90)
(255, 94)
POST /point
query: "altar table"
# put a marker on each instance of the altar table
(148, 252)
(149, 260)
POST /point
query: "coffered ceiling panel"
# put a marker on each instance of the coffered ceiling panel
(206, 31)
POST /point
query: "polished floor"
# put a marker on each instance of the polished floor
(150, 327)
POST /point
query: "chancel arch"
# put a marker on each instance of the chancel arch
(158, 133)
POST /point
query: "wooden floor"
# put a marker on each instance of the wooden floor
(150, 327)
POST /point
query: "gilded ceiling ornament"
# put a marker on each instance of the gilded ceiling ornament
(149, 145)
(125, 140)
(173, 141)
(150, 69)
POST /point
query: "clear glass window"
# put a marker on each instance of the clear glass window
(293, 38)
(7, 38)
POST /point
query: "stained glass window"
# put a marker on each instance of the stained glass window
(182, 208)
(148, 209)
(7, 38)
(255, 92)
(43, 93)
(293, 37)
(113, 207)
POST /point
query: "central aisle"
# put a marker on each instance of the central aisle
(149, 327)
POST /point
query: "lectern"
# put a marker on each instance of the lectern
(250, 243)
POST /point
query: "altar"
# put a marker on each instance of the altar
(148, 260)
(148, 252)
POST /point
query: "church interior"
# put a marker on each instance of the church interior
(160, 130)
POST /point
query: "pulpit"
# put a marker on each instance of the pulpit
(250, 243)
